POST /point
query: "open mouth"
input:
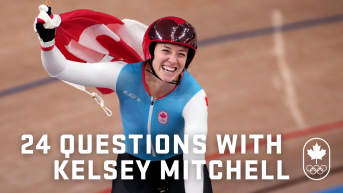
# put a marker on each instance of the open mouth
(168, 69)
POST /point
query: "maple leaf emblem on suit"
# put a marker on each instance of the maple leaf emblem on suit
(162, 117)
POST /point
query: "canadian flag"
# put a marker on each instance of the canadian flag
(89, 36)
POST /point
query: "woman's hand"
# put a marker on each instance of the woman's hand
(46, 23)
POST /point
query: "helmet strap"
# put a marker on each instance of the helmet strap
(152, 71)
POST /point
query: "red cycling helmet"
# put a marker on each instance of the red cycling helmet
(170, 30)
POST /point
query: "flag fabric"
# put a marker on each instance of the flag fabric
(88, 36)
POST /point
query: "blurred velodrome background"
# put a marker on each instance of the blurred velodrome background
(267, 66)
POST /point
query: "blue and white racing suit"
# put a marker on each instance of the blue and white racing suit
(182, 112)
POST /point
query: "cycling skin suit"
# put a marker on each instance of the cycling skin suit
(182, 112)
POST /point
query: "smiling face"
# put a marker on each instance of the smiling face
(169, 60)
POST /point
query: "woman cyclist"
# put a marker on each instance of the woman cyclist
(168, 101)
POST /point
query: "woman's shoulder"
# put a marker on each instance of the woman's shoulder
(189, 81)
(134, 67)
(189, 85)
(131, 71)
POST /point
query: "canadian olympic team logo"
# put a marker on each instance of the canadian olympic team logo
(316, 159)
(162, 117)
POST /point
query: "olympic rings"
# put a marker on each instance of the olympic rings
(316, 169)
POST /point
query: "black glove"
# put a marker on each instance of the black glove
(45, 34)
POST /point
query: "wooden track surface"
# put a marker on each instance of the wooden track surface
(264, 84)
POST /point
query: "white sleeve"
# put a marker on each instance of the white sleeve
(102, 74)
(195, 116)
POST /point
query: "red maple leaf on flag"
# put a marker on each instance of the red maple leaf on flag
(206, 102)
(163, 115)
(90, 36)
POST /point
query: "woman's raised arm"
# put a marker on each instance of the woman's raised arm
(102, 74)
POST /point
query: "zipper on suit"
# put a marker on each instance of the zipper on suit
(149, 123)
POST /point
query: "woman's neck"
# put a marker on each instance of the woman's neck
(156, 87)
